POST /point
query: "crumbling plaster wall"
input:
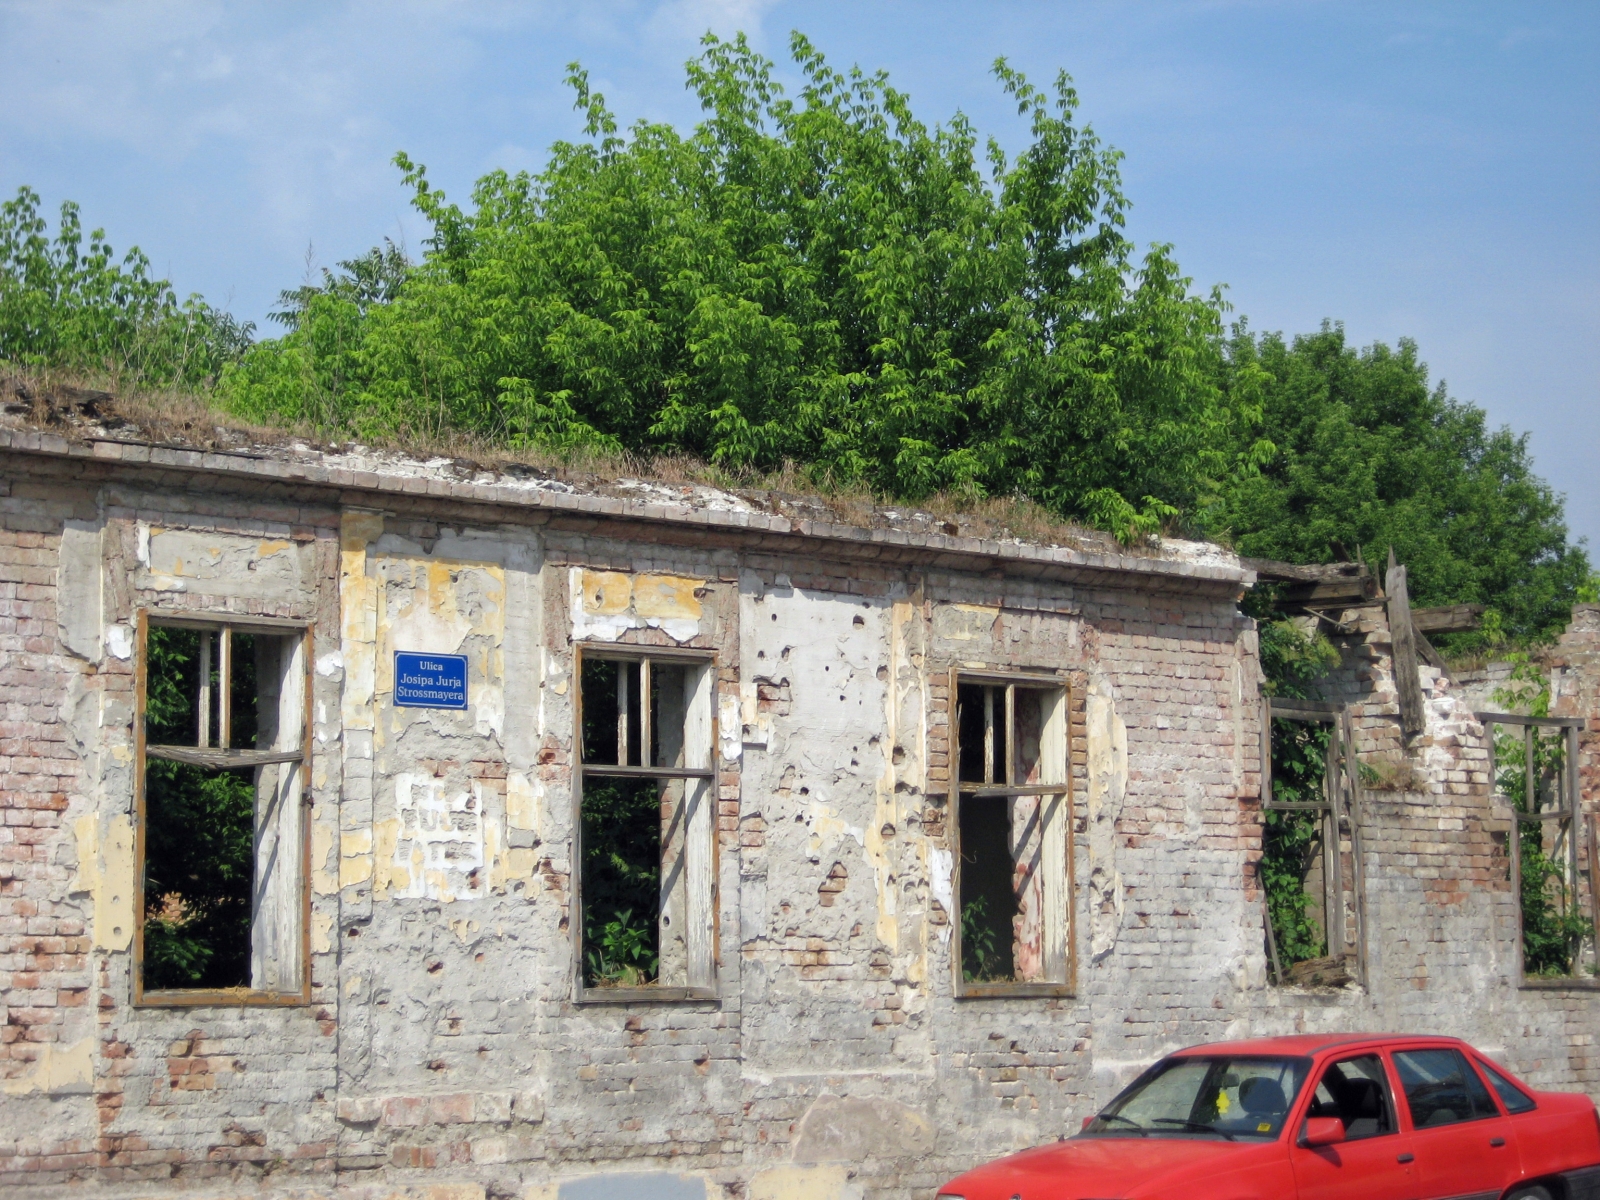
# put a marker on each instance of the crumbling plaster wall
(126, 1092)
(443, 1048)
(1442, 920)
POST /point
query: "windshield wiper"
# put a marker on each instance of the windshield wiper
(1143, 1130)
(1195, 1126)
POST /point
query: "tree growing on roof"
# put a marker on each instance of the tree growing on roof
(68, 301)
(823, 279)
(1368, 455)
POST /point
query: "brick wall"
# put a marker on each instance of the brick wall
(444, 1046)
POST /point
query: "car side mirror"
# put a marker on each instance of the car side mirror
(1322, 1131)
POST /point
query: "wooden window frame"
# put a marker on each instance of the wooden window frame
(649, 993)
(1340, 803)
(1580, 826)
(226, 624)
(1011, 680)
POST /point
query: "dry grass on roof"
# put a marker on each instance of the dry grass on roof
(83, 407)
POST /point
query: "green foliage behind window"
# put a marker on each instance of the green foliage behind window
(621, 881)
(199, 833)
(1553, 927)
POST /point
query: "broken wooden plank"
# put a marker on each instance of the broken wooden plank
(1327, 585)
(1326, 593)
(1407, 682)
(1500, 718)
(1291, 709)
(1284, 572)
(1320, 972)
(1447, 618)
(223, 760)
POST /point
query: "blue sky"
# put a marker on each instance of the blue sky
(1413, 170)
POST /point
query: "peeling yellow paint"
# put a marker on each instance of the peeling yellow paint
(352, 985)
(828, 827)
(323, 881)
(1107, 749)
(465, 929)
(105, 871)
(522, 810)
(321, 932)
(666, 596)
(607, 593)
(57, 1067)
(387, 871)
(358, 606)
(607, 603)
(507, 864)
(793, 1182)
(438, 1191)
(355, 857)
(437, 604)
(269, 548)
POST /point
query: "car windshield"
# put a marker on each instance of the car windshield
(1222, 1096)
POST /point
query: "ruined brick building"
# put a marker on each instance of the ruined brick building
(375, 826)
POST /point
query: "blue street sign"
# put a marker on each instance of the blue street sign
(430, 680)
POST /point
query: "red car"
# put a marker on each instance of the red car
(1368, 1117)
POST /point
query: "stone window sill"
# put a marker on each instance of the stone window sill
(1021, 991)
(221, 998)
(1558, 983)
(646, 995)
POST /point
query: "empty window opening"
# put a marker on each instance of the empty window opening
(1310, 867)
(1013, 824)
(222, 826)
(1552, 859)
(646, 828)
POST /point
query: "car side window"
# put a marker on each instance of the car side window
(1514, 1098)
(1357, 1092)
(1441, 1089)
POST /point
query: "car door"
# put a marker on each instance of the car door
(1374, 1160)
(1461, 1142)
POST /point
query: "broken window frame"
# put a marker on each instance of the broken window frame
(1575, 828)
(1340, 807)
(705, 970)
(225, 625)
(1063, 907)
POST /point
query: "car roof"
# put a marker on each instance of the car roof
(1302, 1044)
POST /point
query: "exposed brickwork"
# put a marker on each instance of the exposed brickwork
(444, 1044)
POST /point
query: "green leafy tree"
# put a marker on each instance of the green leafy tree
(1367, 456)
(621, 880)
(65, 303)
(374, 278)
(822, 279)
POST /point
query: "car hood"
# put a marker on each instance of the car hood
(1107, 1167)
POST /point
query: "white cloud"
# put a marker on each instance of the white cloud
(692, 18)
